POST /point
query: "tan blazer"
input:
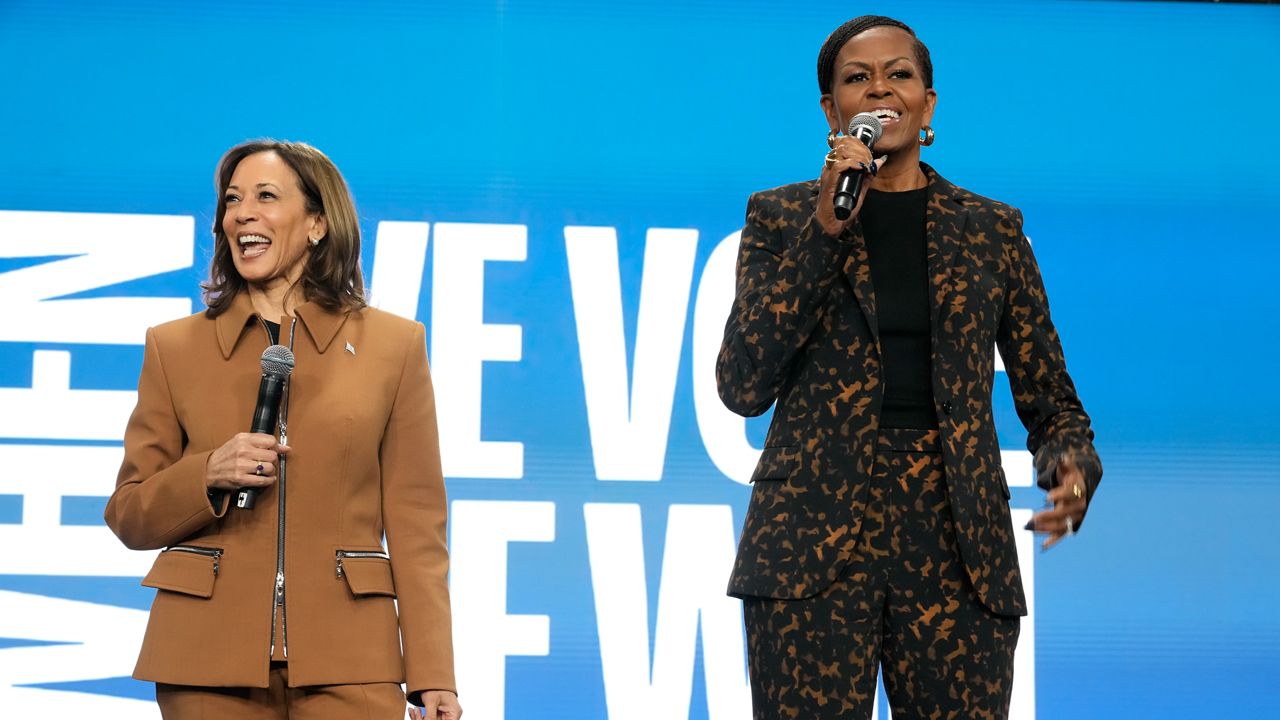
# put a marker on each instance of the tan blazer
(365, 461)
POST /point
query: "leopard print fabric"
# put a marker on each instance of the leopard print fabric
(903, 602)
(803, 334)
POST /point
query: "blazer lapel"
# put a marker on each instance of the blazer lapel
(857, 269)
(231, 324)
(945, 221)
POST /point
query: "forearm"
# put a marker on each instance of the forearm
(779, 294)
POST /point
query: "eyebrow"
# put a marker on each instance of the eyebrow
(260, 185)
(859, 63)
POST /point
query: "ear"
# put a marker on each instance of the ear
(930, 102)
(828, 103)
(319, 227)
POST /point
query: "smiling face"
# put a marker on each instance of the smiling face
(877, 72)
(267, 223)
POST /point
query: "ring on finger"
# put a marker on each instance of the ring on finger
(1071, 526)
(831, 158)
(259, 470)
(1075, 490)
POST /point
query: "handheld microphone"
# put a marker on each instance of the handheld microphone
(867, 129)
(277, 364)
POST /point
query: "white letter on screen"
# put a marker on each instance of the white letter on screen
(698, 555)
(483, 633)
(629, 434)
(104, 249)
(399, 255)
(1023, 702)
(461, 342)
(724, 433)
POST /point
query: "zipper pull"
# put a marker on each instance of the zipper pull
(216, 556)
(340, 554)
(280, 587)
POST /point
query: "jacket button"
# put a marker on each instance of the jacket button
(946, 407)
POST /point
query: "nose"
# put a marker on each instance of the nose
(244, 212)
(879, 86)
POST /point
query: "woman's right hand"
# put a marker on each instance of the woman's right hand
(246, 460)
(847, 154)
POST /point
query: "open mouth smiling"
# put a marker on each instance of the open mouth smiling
(251, 246)
(886, 115)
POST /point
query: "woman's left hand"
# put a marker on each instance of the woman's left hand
(440, 705)
(1069, 498)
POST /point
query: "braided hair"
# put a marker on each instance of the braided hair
(841, 35)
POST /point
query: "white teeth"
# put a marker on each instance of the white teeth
(886, 114)
(247, 239)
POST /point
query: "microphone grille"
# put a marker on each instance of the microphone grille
(277, 360)
(866, 120)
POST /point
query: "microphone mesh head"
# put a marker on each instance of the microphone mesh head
(277, 360)
(868, 121)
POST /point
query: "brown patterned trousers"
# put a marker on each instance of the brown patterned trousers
(904, 603)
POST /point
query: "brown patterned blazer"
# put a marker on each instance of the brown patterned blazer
(803, 334)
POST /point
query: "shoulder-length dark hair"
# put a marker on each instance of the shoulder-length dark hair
(332, 277)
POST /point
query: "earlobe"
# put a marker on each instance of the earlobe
(932, 104)
(828, 109)
(319, 228)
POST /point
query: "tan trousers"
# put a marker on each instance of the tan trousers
(375, 701)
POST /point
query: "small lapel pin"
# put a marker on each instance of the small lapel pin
(351, 349)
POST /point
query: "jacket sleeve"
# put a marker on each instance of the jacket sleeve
(1043, 393)
(414, 510)
(783, 274)
(160, 496)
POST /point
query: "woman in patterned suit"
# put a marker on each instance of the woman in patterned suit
(878, 532)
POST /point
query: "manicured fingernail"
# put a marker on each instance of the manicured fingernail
(1031, 525)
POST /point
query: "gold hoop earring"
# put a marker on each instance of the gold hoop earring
(831, 139)
(927, 140)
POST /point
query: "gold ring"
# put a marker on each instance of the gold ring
(1075, 490)
(831, 158)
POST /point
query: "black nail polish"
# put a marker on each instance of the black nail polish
(1031, 525)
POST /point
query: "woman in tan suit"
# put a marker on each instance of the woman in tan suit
(289, 608)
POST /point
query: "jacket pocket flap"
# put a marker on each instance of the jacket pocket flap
(368, 576)
(777, 463)
(183, 572)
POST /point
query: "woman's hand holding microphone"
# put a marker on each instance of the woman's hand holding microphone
(847, 154)
(245, 461)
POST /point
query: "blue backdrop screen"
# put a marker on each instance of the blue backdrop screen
(555, 190)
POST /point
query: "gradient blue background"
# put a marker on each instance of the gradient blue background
(1136, 138)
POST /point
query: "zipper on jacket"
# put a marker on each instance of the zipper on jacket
(357, 554)
(277, 595)
(215, 553)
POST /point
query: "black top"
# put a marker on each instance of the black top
(273, 329)
(893, 224)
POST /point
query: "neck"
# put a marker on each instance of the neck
(901, 172)
(275, 299)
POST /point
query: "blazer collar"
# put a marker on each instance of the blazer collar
(322, 325)
(945, 220)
